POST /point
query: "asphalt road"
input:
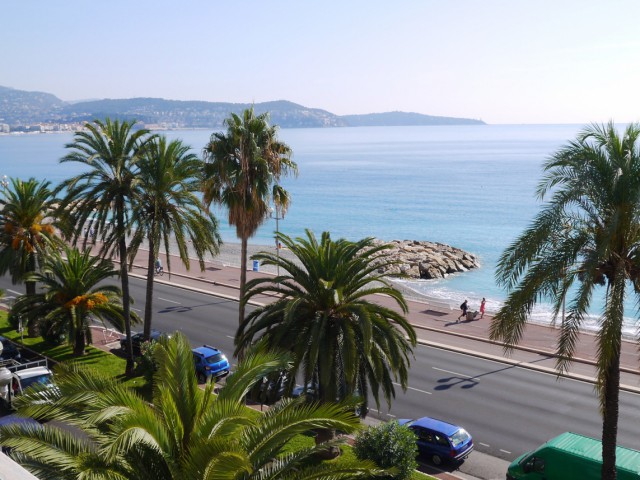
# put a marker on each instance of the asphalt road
(508, 410)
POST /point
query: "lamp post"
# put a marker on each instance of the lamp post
(277, 218)
(5, 185)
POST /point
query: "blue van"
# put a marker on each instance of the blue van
(440, 441)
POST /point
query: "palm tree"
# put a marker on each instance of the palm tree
(25, 228)
(343, 342)
(168, 209)
(26, 231)
(243, 171)
(100, 198)
(184, 433)
(589, 231)
(73, 295)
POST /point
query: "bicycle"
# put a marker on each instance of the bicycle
(159, 271)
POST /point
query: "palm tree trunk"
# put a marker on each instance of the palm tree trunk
(150, 278)
(32, 327)
(610, 417)
(243, 277)
(126, 300)
(79, 341)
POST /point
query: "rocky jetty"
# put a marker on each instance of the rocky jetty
(427, 260)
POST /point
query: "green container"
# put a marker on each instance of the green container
(572, 457)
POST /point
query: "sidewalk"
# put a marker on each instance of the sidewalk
(435, 325)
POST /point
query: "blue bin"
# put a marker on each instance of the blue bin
(256, 265)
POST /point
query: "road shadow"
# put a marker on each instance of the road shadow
(470, 382)
(188, 308)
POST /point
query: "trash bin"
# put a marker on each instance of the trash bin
(256, 265)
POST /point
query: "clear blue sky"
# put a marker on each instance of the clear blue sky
(504, 61)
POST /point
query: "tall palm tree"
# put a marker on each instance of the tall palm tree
(342, 341)
(100, 197)
(585, 242)
(25, 228)
(168, 210)
(184, 433)
(26, 231)
(73, 295)
(243, 171)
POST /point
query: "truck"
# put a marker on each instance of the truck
(571, 456)
(16, 377)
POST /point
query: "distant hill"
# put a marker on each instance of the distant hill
(19, 108)
(402, 119)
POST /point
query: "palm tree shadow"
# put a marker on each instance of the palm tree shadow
(188, 308)
(470, 382)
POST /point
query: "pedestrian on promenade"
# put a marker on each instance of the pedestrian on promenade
(464, 308)
(482, 304)
(158, 265)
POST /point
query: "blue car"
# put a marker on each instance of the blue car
(210, 362)
(440, 441)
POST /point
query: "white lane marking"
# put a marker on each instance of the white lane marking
(452, 373)
(229, 336)
(505, 451)
(484, 444)
(167, 300)
(136, 309)
(13, 291)
(414, 389)
(389, 415)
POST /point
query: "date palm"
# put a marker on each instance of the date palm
(244, 167)
(100, 197)
(184, 433)
(584, 243)
(326, 316)
(26, 231)
(73, 295)
(168, 212)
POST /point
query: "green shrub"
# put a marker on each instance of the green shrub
(389, 445)
(146, 363)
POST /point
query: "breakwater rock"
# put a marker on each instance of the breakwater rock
(427, 260)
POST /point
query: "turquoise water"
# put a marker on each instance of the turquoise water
(469, 186)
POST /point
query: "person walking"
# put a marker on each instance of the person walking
(464, 307)
(482, 304)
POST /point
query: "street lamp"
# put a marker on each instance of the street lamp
(5, 185)
(278, 216)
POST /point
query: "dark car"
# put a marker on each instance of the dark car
(311, 393)
(10, 350)
(138, 338)
(210, 362)
(440, 440)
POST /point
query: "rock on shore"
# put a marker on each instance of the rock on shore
(427, 260)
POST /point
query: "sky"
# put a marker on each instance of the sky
(511, 61)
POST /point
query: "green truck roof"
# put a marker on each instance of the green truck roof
(587, 447)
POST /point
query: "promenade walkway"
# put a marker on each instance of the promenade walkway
(435, 325)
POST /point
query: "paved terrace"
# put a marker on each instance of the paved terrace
(435, 324)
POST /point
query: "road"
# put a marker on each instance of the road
(507, 409)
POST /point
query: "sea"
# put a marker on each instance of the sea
(473, 187)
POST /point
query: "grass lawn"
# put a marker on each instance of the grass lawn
(94, 357)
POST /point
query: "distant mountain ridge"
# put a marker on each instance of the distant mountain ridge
(19, 107)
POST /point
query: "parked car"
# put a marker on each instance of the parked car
(440, 441)
(10, 350)
(210, 362)
(138, 338)
(311, 392)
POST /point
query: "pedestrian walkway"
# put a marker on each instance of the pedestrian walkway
(435, 324)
